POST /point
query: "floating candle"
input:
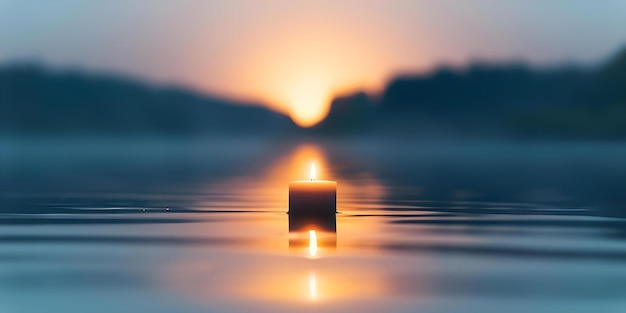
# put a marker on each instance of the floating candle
(313, 198)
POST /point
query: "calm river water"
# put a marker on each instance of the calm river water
(422, 227)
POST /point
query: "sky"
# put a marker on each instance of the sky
(295, 56)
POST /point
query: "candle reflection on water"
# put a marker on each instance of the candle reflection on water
(312, 286)
(312, 243)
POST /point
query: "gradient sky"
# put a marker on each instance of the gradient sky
(295, 55)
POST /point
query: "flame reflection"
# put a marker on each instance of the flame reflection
(312, 243)
(286, 281)
(312, 286)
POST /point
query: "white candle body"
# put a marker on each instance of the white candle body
(312, 203)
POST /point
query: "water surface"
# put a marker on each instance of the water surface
(421, 227)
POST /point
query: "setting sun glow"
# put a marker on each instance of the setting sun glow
(308, 103)
(299, 70)
(294, 57)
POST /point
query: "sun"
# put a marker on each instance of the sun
(308, 102)
(299, 70)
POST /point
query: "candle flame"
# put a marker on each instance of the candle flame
(312, 173)
(312, 243)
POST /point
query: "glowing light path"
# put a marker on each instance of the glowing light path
(312, 243)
